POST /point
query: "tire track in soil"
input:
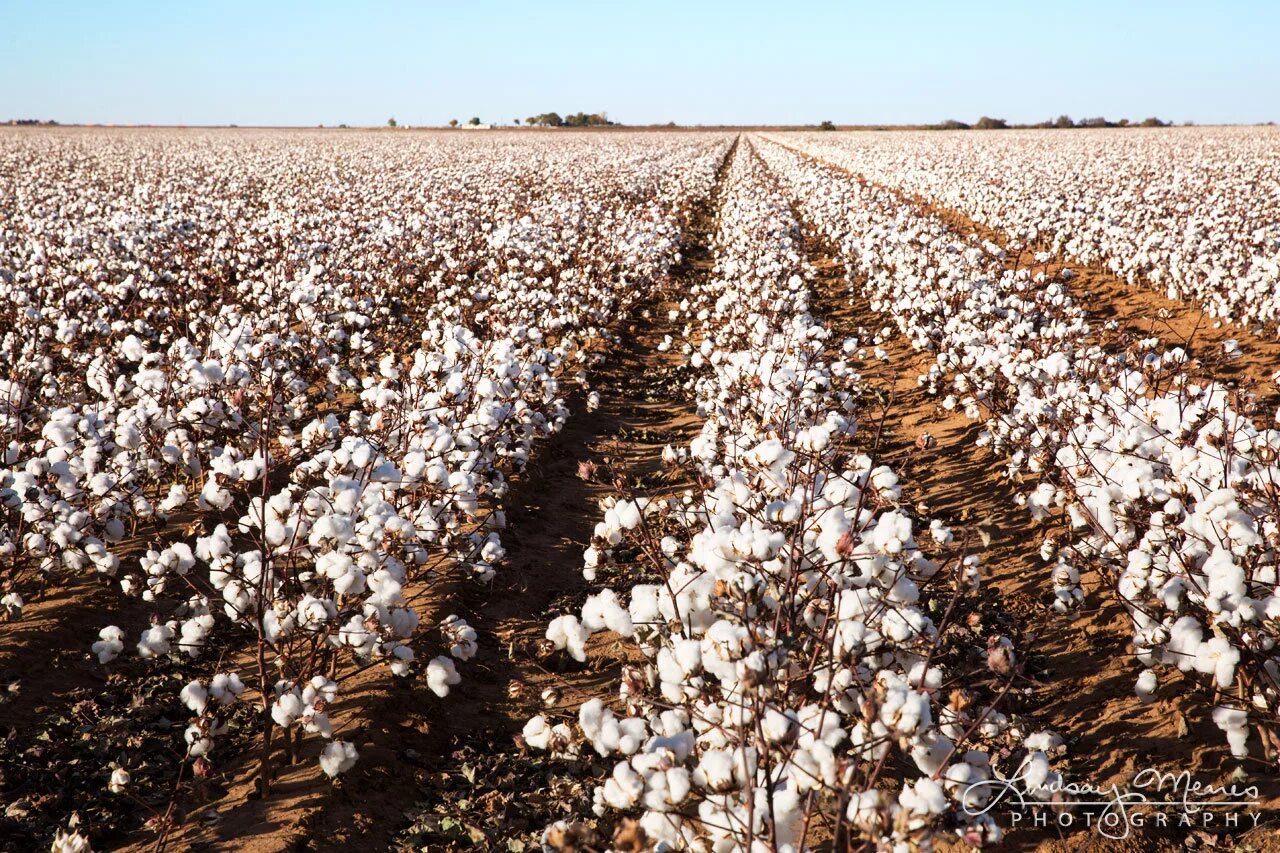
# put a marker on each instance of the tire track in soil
(1085, 665)
(551, 517)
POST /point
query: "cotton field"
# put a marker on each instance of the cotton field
(680, 490)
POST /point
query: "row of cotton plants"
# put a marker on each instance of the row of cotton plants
(275, 387)
(1192, 211)
(806, 674)
(1163, 482)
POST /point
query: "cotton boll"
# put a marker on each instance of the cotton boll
(287, 709)
(566, 632)
(338, 757)
(715, 771)
(1236, 725)
(441, 675)
(109, 645)
(1146, 685)
(119, 782)
(924, 798)
(537, 732)
(226, 687)
(195, 697)
(155, 641)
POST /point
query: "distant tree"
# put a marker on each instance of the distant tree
(672, 124)
(475, 121)
(952, 124)
(1063, 121)
(391, 122)
(453, 122)
(547, 120)
(1154, 122)
(826, 125)
(1124, 122)
(1092, 122)
(988, 123)
(516, 122)
(342, 125)
(531, 120)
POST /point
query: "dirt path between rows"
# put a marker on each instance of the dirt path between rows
(1085, 666)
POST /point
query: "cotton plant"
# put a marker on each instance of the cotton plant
(281, 420)
(1098, 200)
(1151, 474)
(788, 643)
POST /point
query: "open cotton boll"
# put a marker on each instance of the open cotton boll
(566, 632)
(1217, 657)
(226, 687)
(70, 841)
(119, 781)
(715, 772)
(109, 644)
(338, 757)
(441, 675)
(1236, 725)
(1146, 686)
(603, 611)
(923, 798)
(155, 641)
(287, 709)
(194, 696)
(537, 732)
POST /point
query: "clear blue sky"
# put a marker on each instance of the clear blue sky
(305, 63)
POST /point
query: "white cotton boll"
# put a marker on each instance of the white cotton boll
(592, 717)
(1236, 725)
(633, 732)
(226, 687)
(109, 645)
(195, 697)
(155, 641)
(924, 798)
(12, 604)
(198, 743)
(400, 660)
(1146, 686)
(537, 732)
(286, 710)
(352, 583)
(1217, 657)
(603, 611)
(441, 675)
(624, 786)
(777, 726)
(715, 771)
(566, 632)
(119, 781)
(1043, 741)
(863, 808)
(463, 637)
(931, 752)
(338, 757)
(70, 842)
